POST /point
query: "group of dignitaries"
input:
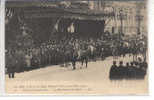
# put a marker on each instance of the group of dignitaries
(131, 70)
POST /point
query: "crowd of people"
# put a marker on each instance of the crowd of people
(56, 52)
(132, 70)
(48, 53)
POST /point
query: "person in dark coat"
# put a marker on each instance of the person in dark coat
(140, 71)
(131, 70)
(11, 61)
(121, 70)
(127, 70)
(74, 59)
(113, 71)
(144, 66)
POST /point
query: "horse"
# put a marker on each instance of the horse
(83, 56)
(79, 54)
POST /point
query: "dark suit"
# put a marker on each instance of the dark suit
(11, 66)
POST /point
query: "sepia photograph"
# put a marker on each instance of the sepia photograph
(76, 47)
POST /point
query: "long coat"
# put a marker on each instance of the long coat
(11, 64)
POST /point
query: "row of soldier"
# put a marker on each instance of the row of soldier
(18, 59)
(49, 54)
(132, 70)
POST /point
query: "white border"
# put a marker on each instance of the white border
(151, 46)
(151, 66)
(2, 39)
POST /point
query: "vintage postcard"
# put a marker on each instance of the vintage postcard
(76, 47)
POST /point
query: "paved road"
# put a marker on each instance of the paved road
(97, 72)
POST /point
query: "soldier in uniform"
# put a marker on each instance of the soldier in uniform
(45, 55)
(131, 69)
(20, 60)
(49, 55)
(11, 65)
(38, 56)
(102, 53)
(28, 58)
(113, 71)
(42, 56)
(121, 70)
(127, 74)
(74, 58)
